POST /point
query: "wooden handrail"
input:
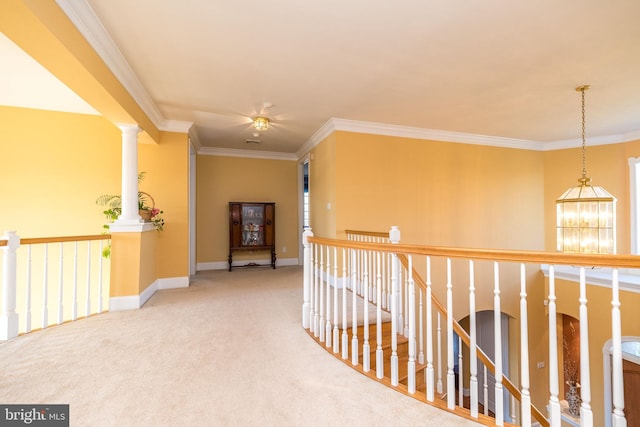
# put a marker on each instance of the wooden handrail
(535, 257)
(535, 412)
(367, 233)
(62, 239)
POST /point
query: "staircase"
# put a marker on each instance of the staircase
(403, 358)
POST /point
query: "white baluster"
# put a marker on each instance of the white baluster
(497, 331)
(586, 415)
(354, 308)
(345, 323)
(8, 316)
(60, 285)
(439, 340)
(100, 281)
(554, 402)
(485, 400)
(451, 378)
(28, 291)
(74, 311)
(399, 301)
(411, 364)
(525, 399)
(321, 291)
(315, 293)
(327, 325)
(87, 303)
(429, 378)
(336, 328)
(394, 238)
(617, 416)
(408, 274)
(420, 330)
(366, 355)
(460, 375)
(306, 279)
(45, 288)
(379, 355)
(473, 350)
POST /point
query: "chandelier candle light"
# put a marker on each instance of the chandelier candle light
(586, 214)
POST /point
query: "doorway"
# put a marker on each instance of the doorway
(630, 378)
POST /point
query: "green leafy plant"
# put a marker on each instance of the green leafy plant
(146, 206)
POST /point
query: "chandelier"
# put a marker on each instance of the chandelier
(586, 214)
(261, 123)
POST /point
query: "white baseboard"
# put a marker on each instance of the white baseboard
(134, 302)
(223, 265)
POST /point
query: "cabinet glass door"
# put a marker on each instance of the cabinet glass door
(253, 225)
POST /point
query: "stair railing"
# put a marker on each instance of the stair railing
(361, 263)
(51, 280)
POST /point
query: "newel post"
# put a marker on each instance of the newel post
(8, 315)
(306, 277)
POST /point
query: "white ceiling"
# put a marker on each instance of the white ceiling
(493, 68)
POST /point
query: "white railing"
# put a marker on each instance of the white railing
(52, 280)
(397, 284)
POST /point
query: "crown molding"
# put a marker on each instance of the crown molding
(234, 152)
(591, 141)
(336, 124)
(86, 21)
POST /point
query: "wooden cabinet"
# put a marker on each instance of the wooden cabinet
(252, 228)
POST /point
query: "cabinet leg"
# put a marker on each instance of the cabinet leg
(230, 261)
(273, 259)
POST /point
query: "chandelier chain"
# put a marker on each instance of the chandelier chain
(584, 156)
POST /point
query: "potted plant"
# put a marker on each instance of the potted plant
(146, 208)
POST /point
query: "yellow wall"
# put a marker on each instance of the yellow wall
(167, 180)
(322, 188)
(55, 165)
(221, 180)
(440, 193)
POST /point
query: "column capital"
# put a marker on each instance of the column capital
(129, 128)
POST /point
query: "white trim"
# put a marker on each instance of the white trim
(134, 302)
(629, 279)
(234, 152)
(433, 134)
(597, 140)
(86, 21)
(224, 265)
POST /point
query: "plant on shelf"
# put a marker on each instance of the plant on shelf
(146, 208)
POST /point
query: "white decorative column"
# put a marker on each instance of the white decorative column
(129, 197)
(8, 315)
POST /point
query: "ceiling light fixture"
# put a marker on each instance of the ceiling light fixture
(586, 214)
(261, 123)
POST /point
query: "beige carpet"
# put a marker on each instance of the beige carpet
(227, 351)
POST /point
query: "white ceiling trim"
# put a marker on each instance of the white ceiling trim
(86, 21)
(597, 140)
(234, 152)
(433, 134)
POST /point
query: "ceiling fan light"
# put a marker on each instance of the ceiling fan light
(261, 123)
